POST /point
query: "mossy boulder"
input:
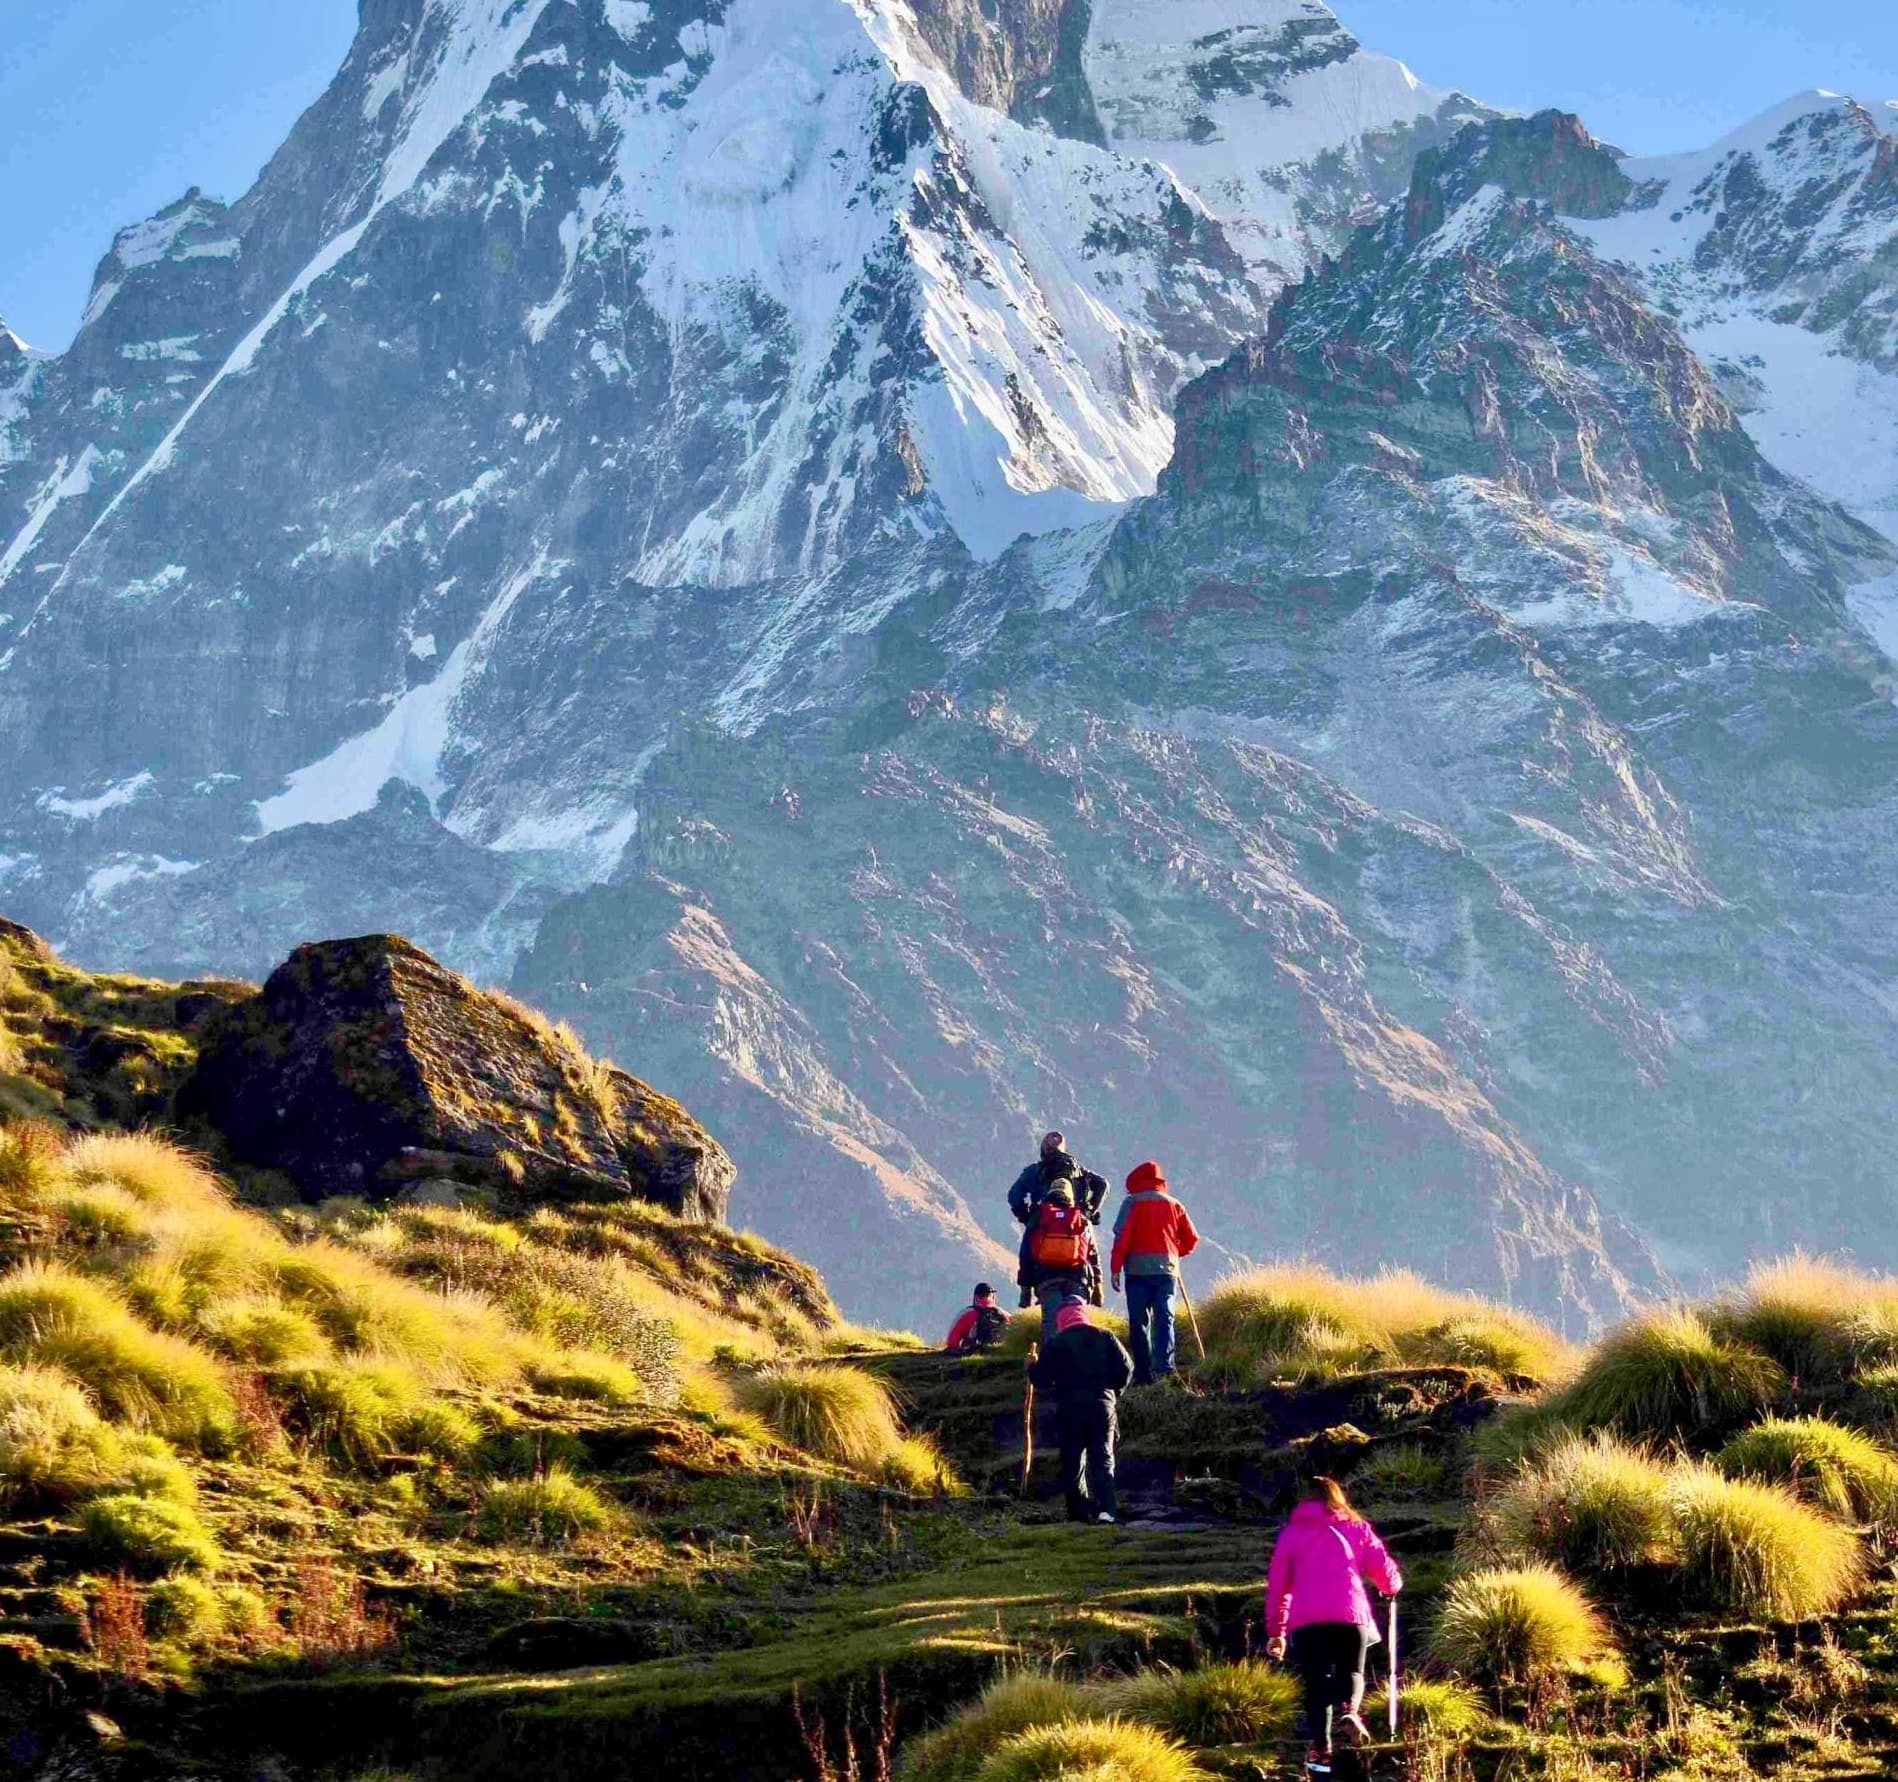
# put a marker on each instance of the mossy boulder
(365, 1065)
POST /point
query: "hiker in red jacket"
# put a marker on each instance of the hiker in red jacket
(1151, 1234)
(980, 1325)
(1317, 1605)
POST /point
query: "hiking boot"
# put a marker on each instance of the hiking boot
(1105, 1517)
(1317, 1762)
(1356, 1734)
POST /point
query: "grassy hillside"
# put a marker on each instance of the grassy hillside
(438, 1491)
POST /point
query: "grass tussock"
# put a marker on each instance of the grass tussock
(956, 1750)
(56, 1450)
(1669, 1375)
(1756, 1550)
(1218, 1704)
(1519, 1626)
(1822, 1321)
(1101, 1750)
(52, 1317)
(1297, 1321)
(1839, 1470)
(555, 1506)
(149, 1535)
(1443, 1711)
(1593, 1505)
(839, 1413)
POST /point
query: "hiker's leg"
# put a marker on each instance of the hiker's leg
(1310, 1661)
(1072, 1434)
(1161, 1289)
(1354, 1662)
(1139, 1312)
(1342, 1643)
(1100, 1460)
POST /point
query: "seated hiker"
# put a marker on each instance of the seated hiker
(1086, 1369)
(1058, 1260)
(1151, 1233)
(1053, 1165)
(1316, 1603)
(980, 1325)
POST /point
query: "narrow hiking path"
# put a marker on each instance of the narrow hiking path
(917, 1601)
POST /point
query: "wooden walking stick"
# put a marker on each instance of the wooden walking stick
(1028, 1420)
(1191, 1318)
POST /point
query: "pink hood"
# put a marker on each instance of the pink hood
(1320, 1564)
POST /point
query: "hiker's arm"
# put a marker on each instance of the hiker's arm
(1119, 1258)
(1123, 1374)
(1379, 1567)
(1278, 1590)
(965, 1322)
(1185, 1235)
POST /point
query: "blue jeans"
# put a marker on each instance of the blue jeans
(1150, 1326)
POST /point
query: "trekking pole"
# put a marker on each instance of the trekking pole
(1028, 1421)
(1391, 1684)
(1192, 1317)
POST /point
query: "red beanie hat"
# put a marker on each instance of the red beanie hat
(1069, 1313)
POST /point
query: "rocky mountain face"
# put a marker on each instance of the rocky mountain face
(929, 570)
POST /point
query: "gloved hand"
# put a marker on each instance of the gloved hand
(1117, 1283)
(1027, 1299)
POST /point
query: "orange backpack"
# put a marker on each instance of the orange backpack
(1060, 1237)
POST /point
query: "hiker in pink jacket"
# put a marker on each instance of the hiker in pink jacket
(1315, 1600)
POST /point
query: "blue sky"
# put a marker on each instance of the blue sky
(111, 108)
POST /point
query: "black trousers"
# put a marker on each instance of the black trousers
(1329, 1658)
(1086, 1432)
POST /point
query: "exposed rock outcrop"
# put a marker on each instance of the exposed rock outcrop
(364, 1066)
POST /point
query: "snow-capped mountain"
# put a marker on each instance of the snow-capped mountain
(925, 569)
(1774, 251)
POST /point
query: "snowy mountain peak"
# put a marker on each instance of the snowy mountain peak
(1774, 250)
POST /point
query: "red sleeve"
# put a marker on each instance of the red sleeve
(1278, 1587)
(961, 1328)
(1185, 1238)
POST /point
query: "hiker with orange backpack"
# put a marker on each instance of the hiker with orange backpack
(1318, 1609)
(1152, 1232)
(1058, 1262)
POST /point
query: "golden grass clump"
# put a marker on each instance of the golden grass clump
(1756, 1550)
(1218, 1704)
(1445, 1712)
(264, 1332)
(362, 1410)
(1290, 1320)
(1822, 1321)
(839, 1413)
(555, 1506)
(918, 1466)
(1591, 1504)
(447, 1338)
(52, 1317)
(573, 1374)
(956, 1750)
(1842, 1471)
(1302, 1322)
(32, 1161)
(149, 1535)
(1024, 1331)
(55, 1448)
(1668, 1375)
(1101, 1750)
(150, 1168)
(1517, 1626)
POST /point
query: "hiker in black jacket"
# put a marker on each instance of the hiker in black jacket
(1054, 1165)
(1086, 1369)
